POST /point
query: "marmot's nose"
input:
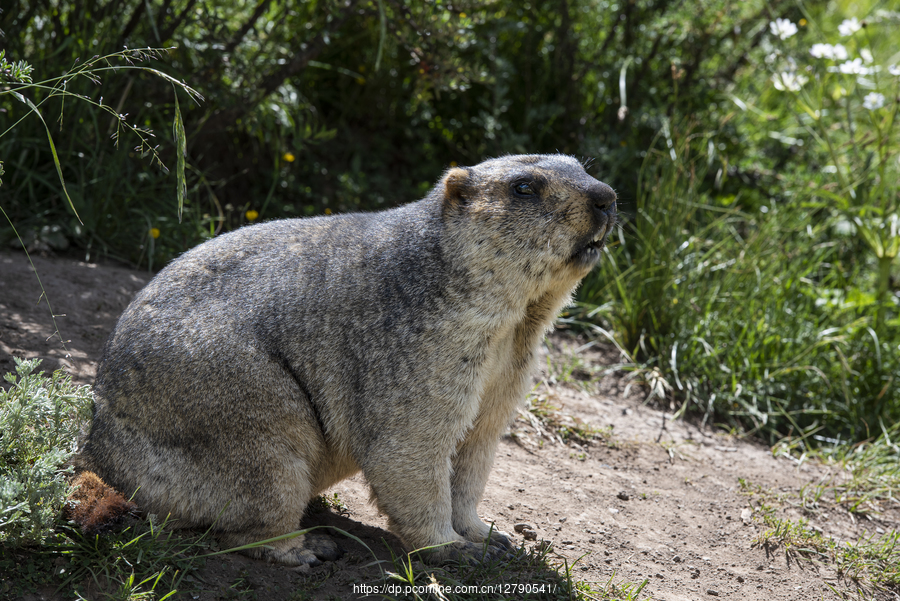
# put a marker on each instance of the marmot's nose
(602, 197)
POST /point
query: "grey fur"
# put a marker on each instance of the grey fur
(267, 364)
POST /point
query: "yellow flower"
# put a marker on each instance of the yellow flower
(453, 163)
(251, 215)
(154, 232)
(289, 157)
(462, 15)
(802, 22)
(327, 211)
(361, 81)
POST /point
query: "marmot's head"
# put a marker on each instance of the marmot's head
(541, 212)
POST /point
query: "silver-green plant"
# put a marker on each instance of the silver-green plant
(40, 418)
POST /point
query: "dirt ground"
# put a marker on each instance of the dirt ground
(657, 499)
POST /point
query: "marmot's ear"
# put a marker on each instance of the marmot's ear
(457, 187)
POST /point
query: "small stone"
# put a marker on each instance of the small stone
(740, 579)
(712, 591)
(623, 495)
(677, 559)
(522, 527)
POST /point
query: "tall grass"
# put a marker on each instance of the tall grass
(730, 307)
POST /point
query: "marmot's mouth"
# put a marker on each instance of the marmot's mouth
(588, 254)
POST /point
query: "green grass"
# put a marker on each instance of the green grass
(864, 481)
(869, 562)
(530, 574)
(734, 308)
(759, 290)
(867, 474)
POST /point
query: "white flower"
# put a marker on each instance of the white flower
(820, 50)
(854, 67)
(836, 52)
(894, 70)
(866, 55)
(787, 81)
(873, 100)
(783, 28)
(849, 26)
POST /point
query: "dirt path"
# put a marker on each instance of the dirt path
(660, 500)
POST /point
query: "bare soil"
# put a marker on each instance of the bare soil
(654, 499)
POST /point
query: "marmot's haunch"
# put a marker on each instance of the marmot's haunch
(267, 364)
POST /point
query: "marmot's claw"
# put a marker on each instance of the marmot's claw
(501, 539)
(501, 553)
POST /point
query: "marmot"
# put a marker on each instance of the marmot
(269, 363)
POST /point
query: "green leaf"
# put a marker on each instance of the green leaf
(181, 151)
(59, 172)
(871, 237)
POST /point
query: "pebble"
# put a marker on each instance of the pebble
(526, 530)
(712, 591)
(623, 495)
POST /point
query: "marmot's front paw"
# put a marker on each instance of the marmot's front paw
(469, 553)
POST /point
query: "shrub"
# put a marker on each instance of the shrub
(40, 418)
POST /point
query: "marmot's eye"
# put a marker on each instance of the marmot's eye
(525, 189)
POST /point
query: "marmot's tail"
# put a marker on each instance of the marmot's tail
(96, 506)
